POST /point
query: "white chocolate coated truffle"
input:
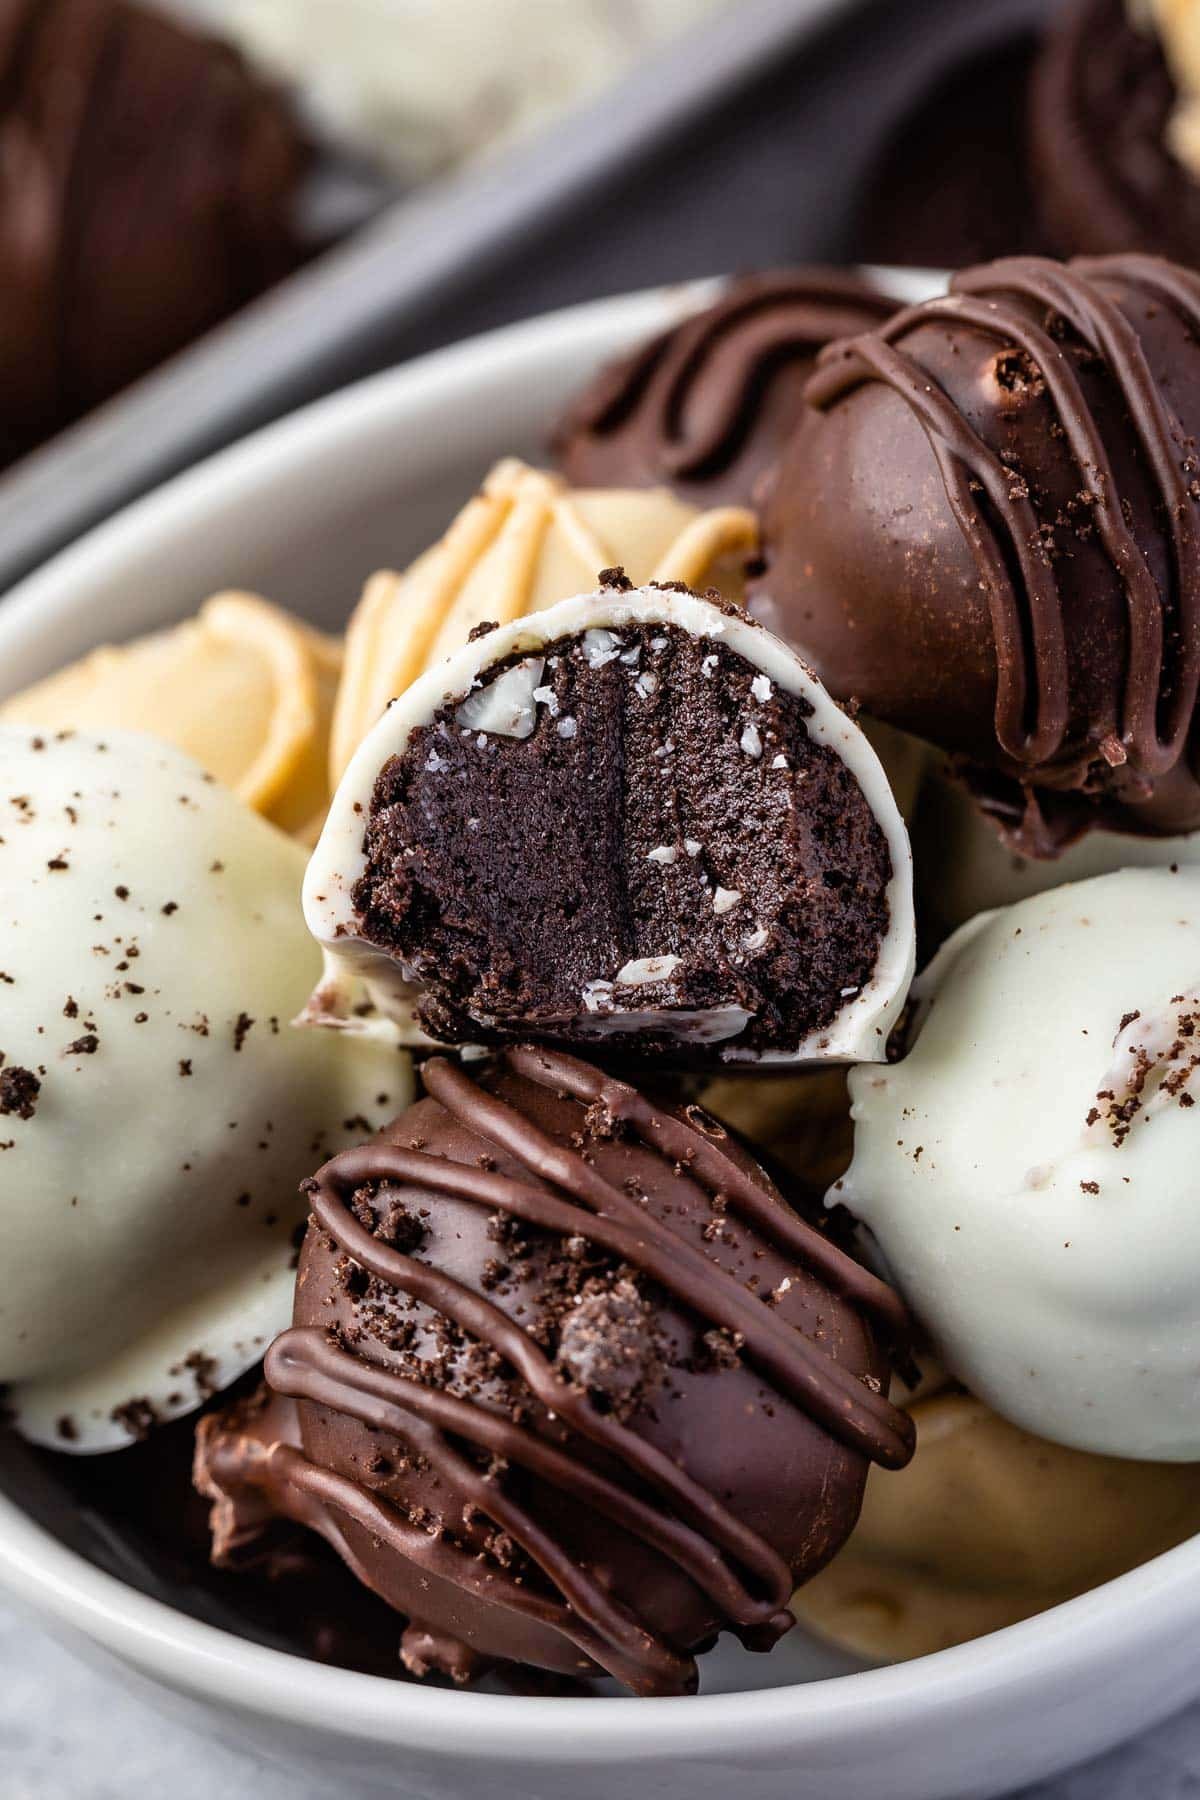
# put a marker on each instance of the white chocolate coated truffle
(1029, 1167)
(508, 704)
(157, 1109)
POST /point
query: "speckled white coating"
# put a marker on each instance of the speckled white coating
(859, 1032)
(1053, 1254)
(149, 925)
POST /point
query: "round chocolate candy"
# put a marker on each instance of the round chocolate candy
(1110, 169)
(705, 407)
(147, 186)
(985, 531)
(570, 1384)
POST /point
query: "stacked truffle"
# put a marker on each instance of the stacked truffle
(1076, 135)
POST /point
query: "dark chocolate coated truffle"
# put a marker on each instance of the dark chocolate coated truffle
(706, 406)
(147, 180)
(985, 531)
(1102, 170)
(569, 1384)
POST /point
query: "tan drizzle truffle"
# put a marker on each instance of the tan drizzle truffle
(244, 687)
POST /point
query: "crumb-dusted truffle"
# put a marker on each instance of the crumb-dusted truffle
(1028, 1166)
(147, 187)
(986, 531)
(1112, 170)
(156, 1109)
(635, 814)
(705, 407)
(514, 1431)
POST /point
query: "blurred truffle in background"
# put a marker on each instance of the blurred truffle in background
(422, 85)
(148, 183)
(1115, 128)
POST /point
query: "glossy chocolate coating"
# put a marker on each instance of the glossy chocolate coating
(985, 531)
(572, 1385)
(146, 184)
(1103, 174)
(706, 407)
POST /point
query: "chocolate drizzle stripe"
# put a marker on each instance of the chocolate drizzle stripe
(1029, 729)
(487, 1323)
(605, 1618)
(691, 1145)
(860, 1418)
(797, 1367)
(322, 1488)
(305, 1364)
(736, 350)
(1101, 324)
(724, 359)
(1033, 656)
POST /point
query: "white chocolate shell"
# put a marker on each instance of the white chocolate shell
(151, 955)
(859, 1031)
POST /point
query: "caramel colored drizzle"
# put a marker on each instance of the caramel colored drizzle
(737, 1569)
(702, 382)
(1032, 697)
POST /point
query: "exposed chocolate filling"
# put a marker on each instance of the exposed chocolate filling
(666, 846)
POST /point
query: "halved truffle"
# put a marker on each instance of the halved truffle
(634, 814)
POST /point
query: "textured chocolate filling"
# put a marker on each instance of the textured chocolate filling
(665, 840)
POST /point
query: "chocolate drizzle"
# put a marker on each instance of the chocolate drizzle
(690, 407)
(635, 1485)
(1033, 694)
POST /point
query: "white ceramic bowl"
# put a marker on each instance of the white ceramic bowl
(304, 511)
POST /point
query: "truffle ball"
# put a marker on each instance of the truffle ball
(1109, 172)
(570, 1384)
(705, 407)
(634, 816)
(157, 1110)
(1028, 1167)
(985, 530)
(147, 181)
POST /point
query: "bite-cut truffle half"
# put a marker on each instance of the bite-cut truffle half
(636, 816)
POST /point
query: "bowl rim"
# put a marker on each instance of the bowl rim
(930, 1691)
(1132, 1612)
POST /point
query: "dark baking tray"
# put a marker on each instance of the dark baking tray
(749, 143)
